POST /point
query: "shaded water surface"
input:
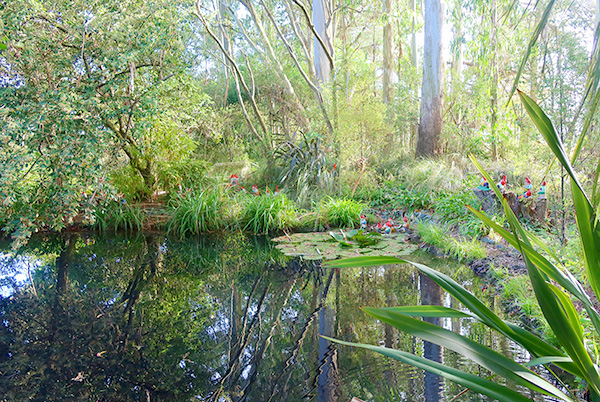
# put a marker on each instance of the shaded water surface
(88, 318)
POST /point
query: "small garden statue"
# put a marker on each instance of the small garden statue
(542, 192)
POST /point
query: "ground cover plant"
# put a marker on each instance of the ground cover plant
(343, 213)
(268, 213)
(197, 212)
(118, 215)
(552, 284)
(444, 242)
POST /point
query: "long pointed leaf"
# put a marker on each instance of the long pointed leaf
(429, 311)
(472, 350)
(558, 316)
(545, 127)
(470, 381)
(533, 39)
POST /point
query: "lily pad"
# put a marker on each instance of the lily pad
(332, 245)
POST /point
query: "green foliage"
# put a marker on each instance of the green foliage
(451, 208)
(268, 213)
(433, 174)
(304, 168)
(401, 196)
(342, 213)
(196, 212)
(69, 123)
(183, 174)
(114, 215)
(129, 182)
(358, 237)
(440, 238)
(554, 287)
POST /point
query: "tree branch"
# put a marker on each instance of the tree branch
(234, 66)
(314, 31)
(302, 72)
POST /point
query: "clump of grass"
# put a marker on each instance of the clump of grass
(428, 174)
(342, 212)
(195, 213)
(520, 298)
(451, 208)
(268, 213)
(439, 237)
(400, 196)
(118, 216)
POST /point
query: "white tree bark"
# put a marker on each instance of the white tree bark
(321, 13)
(430, 125)
(388, 60)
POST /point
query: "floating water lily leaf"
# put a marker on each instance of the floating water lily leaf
(337, 236)
(332, 245)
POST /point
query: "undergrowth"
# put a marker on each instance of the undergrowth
(268, 213)
(195, 213)
(440, 238)
(118, 216)
(342, 213)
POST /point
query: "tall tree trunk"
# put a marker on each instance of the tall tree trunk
(430, 125)
(494, 86)
(274, 60)
(413, 58)
(224, 27)
(388, 60)
(320, 15)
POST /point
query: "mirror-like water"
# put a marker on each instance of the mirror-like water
(218, 319)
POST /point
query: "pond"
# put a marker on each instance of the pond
(223, 318)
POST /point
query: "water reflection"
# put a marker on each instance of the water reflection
(431, 294)
(216, 319)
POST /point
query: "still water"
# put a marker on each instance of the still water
(149, 318)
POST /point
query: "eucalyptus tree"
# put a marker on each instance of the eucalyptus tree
(78, 81)
(430, 125)
(388, 44)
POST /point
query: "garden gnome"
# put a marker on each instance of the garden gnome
(379, 227)
(234, 180)
(276, 192)
(502, 184)
(484, 185)
(404, 228)
(388, 226)
(255, 190)
(363, 221)
(527, 183)
(542, 192)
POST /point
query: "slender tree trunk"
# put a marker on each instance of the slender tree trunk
(430, 125)
(414, 60)
(225, 38)
(270, 52)
(388, 45)
(457, 63)
(320, 15)
(494, 86)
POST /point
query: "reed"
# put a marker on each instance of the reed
(268, 213)
(195, 213)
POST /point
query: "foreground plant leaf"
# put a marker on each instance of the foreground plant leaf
(473, 382)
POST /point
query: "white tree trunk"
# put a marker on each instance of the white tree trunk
(388, 60)
(430, 125)
(321, 13)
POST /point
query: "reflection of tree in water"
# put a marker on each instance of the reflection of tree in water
(431, 294)
(230, 318)
(99, 340)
